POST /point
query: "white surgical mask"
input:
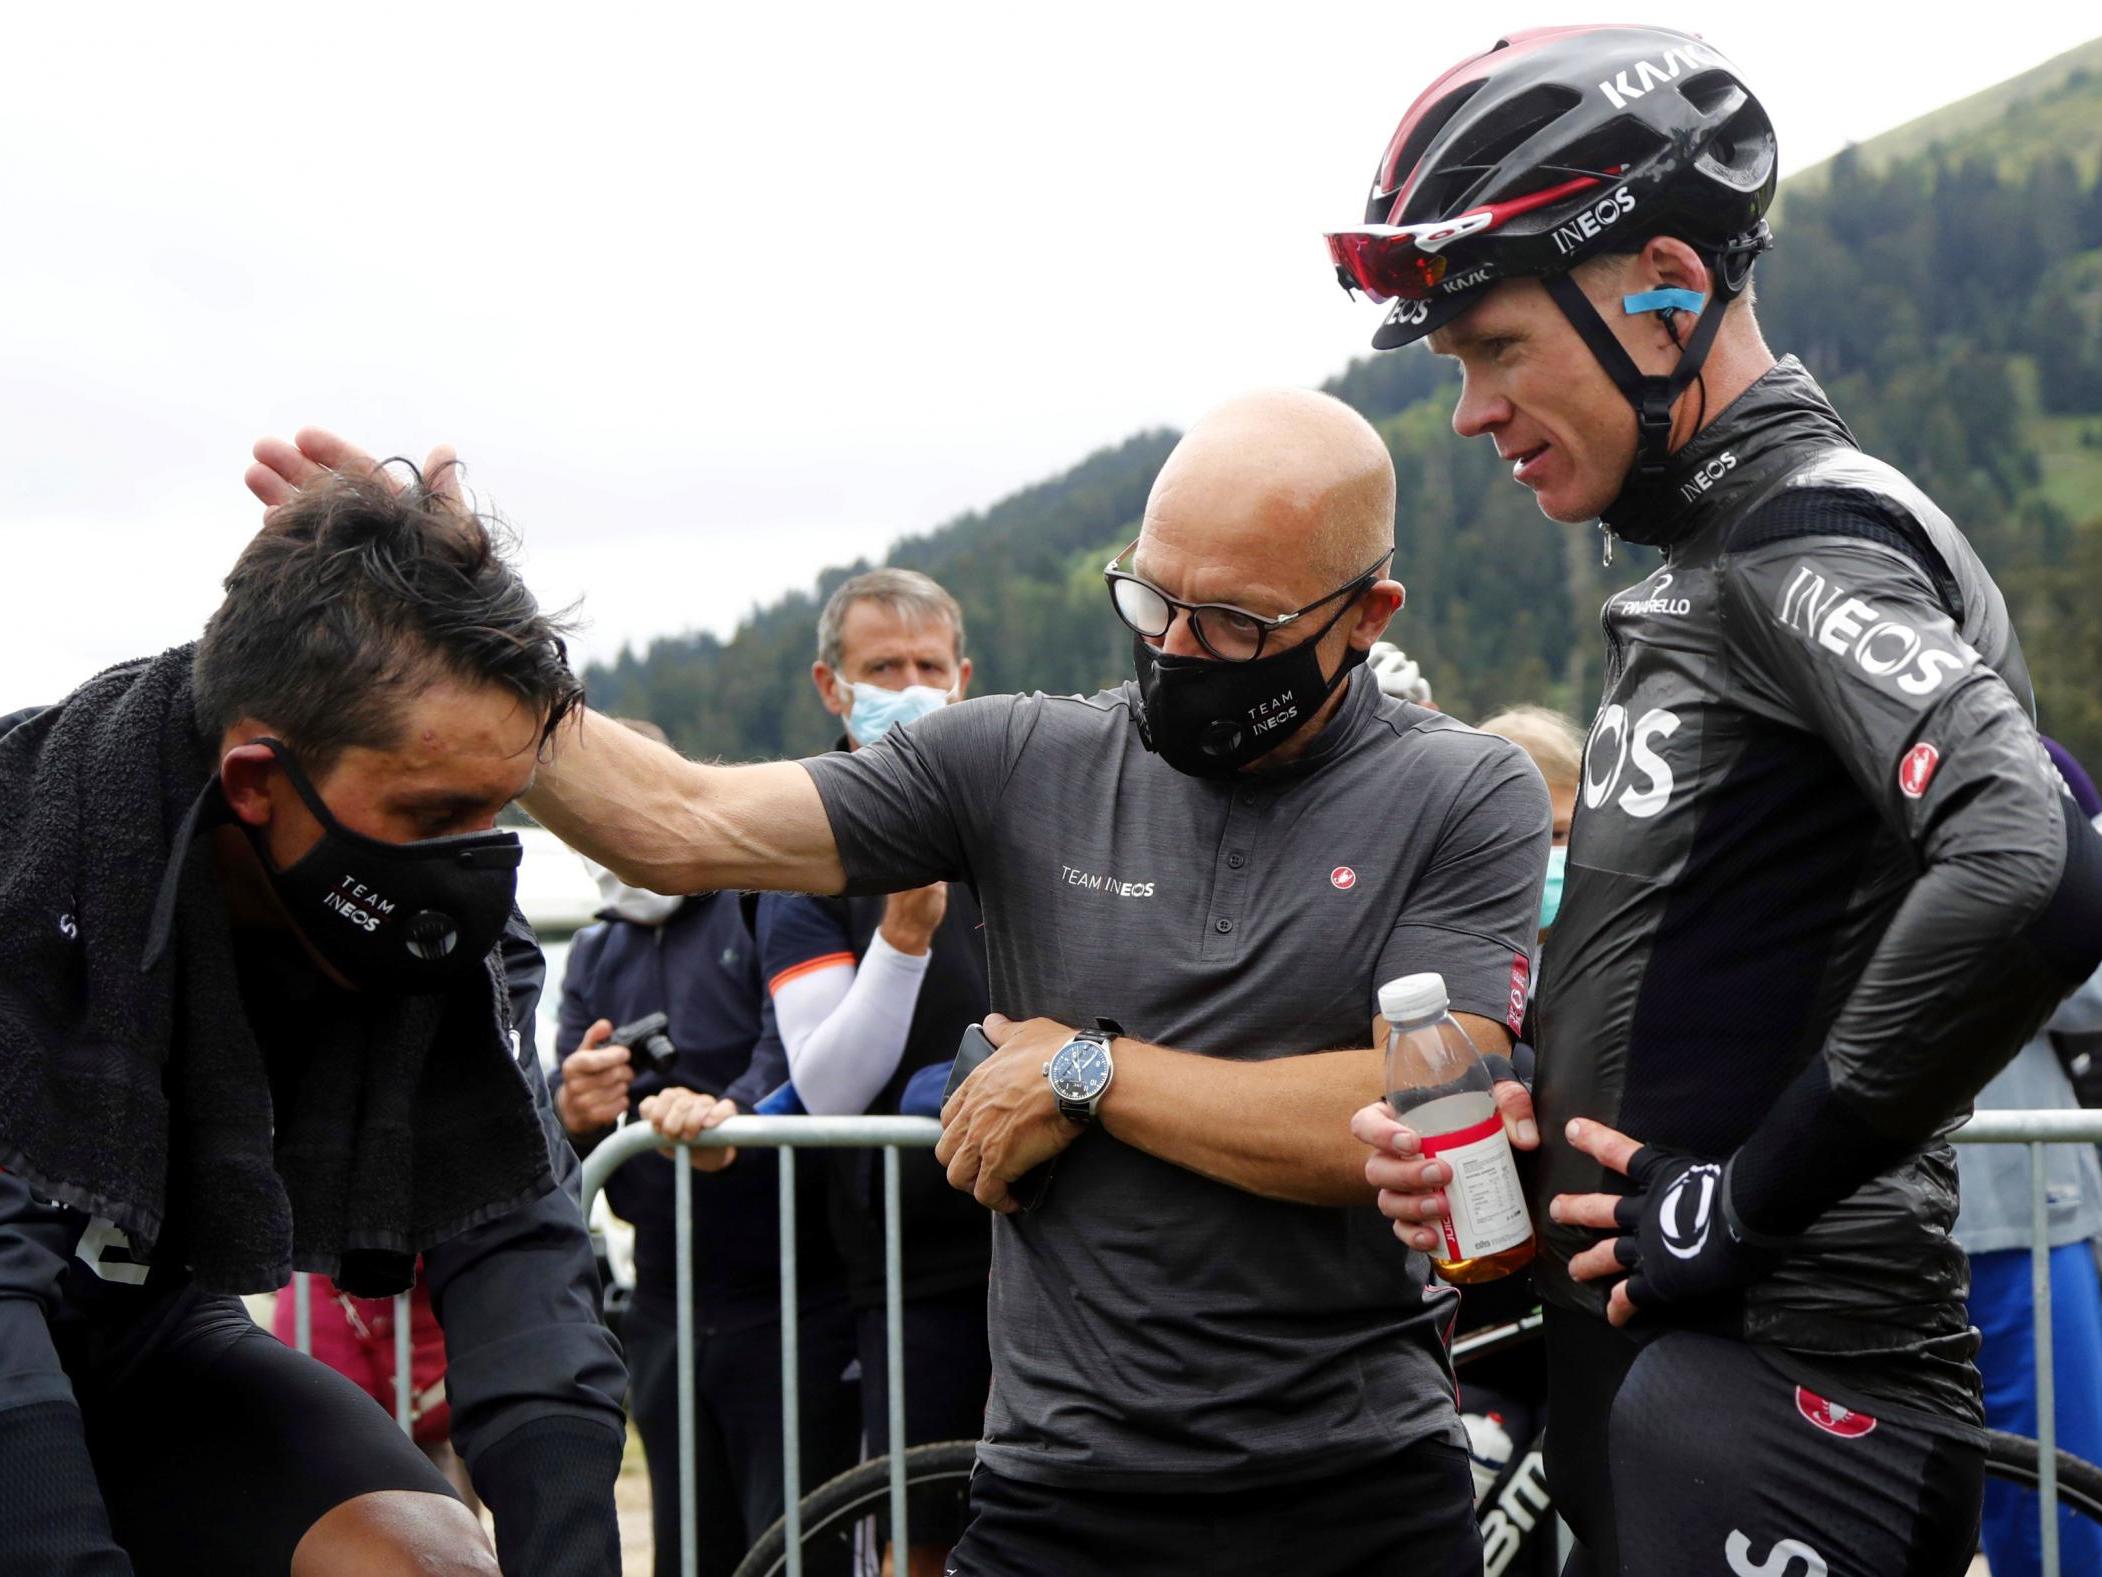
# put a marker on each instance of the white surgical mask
(638, 904)
(873, 711)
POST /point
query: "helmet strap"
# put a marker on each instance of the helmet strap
(1651, 394)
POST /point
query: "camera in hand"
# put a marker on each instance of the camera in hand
(647, 1042)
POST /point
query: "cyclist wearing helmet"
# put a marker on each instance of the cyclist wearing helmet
(1822, 881)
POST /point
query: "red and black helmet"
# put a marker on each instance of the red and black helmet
(1558, 144)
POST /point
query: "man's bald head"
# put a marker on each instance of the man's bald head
(1282, 490)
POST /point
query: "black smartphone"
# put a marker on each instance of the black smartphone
(1028, 1189)
(973, 1049)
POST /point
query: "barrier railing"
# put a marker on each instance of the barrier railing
(2036, 1129)
(404, 1379)
(785, 1133)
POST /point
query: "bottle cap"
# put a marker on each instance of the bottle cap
(1411, 997)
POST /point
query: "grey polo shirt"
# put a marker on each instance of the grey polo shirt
(1152, 1328)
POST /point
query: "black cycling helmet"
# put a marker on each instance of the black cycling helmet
(1556, 145)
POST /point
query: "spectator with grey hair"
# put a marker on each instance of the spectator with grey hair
(872, 995)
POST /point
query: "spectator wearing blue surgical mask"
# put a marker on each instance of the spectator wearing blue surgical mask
(872, 995)
(1556, 746)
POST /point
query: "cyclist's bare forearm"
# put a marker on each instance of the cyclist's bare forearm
(677, 826)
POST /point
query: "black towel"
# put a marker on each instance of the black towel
(142, 1094)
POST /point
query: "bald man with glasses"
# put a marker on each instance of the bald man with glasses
(1209, 1353)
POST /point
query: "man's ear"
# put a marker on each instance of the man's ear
(963, 678)
(827, 682)
(1376, 609)
(245, 774)
(1666, 262)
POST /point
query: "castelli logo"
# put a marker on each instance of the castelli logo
(1832, 1418)
(1916, 771)
(1342, 878)
(1521, 977)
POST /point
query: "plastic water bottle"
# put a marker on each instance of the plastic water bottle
(1489, 1448)
(1438, 1084)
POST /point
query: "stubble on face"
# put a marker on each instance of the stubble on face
(1533, 387)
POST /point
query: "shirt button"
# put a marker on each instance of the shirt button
(1223, 927)
(1235, 861)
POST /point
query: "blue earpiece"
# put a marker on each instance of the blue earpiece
(1664, 301)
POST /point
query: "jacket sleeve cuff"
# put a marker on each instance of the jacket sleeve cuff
(549, 1485)
(1812, 1149)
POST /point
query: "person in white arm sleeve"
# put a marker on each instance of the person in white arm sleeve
(872, 995)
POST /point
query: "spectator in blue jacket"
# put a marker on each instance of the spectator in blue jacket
(1996, 1230)
(695, 960)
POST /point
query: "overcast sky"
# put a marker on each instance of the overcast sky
(709, 296)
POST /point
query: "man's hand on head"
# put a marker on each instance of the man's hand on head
(283, 468)
(1004, 1121)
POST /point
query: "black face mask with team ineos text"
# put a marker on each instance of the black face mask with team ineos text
(1208, 718)
(396, 917)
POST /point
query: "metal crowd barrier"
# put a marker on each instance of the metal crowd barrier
(2036, 1129)
(786, 1133)
(404, 1379)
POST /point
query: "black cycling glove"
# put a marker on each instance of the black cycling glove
(1680, 1238)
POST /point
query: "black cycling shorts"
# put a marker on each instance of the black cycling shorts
(220, 1447)
(1690, 1453)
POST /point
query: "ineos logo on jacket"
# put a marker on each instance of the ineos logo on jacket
(1780, 1560)
(1707, 476)
(1629, 744)
(1879, 646)
(1685, 1237)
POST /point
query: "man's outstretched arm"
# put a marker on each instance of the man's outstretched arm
(678, 826)
(657, 819)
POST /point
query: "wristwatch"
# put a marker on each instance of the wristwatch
(1080, 1072)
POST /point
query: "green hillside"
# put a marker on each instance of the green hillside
(2048, 110)
(1944, 281)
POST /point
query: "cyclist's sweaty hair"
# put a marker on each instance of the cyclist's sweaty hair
(356, 597)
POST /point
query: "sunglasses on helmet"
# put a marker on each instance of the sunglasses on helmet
(1407, 262)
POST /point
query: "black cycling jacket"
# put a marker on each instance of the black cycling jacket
(1823, 882)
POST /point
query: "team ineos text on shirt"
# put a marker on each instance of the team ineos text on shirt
(1108, 885)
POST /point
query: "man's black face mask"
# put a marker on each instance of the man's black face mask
(1209, 718)
(395, 917)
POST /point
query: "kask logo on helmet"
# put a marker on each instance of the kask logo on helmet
(1593, 222)
(1687, 57)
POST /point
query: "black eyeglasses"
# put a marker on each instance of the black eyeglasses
(1231, 634)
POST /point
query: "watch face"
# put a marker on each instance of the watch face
(1080, 1071)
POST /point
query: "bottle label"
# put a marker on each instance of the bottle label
(1487, 1205)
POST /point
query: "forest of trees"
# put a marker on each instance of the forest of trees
(1950, 303)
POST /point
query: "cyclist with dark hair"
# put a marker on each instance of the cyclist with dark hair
(1823, 880)
(267, 1004)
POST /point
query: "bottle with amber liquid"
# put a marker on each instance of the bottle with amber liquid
(1438, 1084)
